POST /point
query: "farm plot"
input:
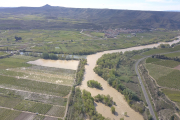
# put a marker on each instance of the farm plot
(170, 80)
(167, 63)
(13, 63)
(2, 53)
(8, 101)
(151, 60)
(177, 54)
(157, 71)
(35, 107)
(56, 111)
(34, 86)
(52, 70)
(173, 95)
(8, 114)
(49, 99)
(24, 73)
(23, 57)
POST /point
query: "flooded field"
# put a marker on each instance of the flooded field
(122, 106)
(66, 64)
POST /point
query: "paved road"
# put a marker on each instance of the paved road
(144, 90)
(142, 85)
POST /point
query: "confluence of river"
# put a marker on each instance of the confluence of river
(121, 105)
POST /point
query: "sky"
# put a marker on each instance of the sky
(154, 5)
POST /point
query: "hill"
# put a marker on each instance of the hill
(52, 17)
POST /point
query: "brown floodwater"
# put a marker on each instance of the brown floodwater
(122, 106)
(66, 64)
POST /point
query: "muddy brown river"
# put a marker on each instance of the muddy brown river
(122, 106)
(66, 64)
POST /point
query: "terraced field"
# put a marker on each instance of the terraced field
(33, 92)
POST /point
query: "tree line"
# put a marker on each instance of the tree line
(166, 58)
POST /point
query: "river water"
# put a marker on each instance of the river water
(121, 105)
(66, 64)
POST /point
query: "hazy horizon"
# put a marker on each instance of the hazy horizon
(152, 5)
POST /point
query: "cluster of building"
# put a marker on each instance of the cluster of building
(110, 33)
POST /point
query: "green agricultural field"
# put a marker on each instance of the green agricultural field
(170, 80)
(56, 111)
(24, 73)
(52, 70)
(23, 57)
(173, 95)
(155, 51)
(39, 117)
(42, 35)
(8, 114)
(13, 63)
(72, 42)
(136, 57)
(150, 60)
(157, 71)
(17, 95)
(34, 107)
(8, 101)
(165, 76)
(35, 86)
(167, 63)
(2, 53)
(173, 54)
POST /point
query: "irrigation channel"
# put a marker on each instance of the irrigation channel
(121, 105)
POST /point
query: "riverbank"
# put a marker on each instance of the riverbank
(122, 105)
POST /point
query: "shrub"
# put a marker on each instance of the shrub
(94, 84)
(113, 110)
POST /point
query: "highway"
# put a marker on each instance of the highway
(143, 88)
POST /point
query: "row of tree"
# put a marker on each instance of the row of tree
(105, 99)
(166, 58)
(80, 71)
(81, 106)
(51, 56)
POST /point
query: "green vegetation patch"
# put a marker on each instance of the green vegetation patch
(106, 99)
(39, 117)
(157, 71)
(167, 63)
(13, 62)
(136, 57)
(170, 80)
(9, 101)
(32, 106)
(24, 73)
(35, 86)
(150, 60)
(80, 71)
(56, 111)
(8, 114)
(177, 54)
(173, 95)
(94, 84)
(2, 53)
(13, 94)
(81, 104)
(23, 57)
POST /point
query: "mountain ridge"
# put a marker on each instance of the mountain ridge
(98, 18)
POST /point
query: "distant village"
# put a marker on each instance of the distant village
(113, 33)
